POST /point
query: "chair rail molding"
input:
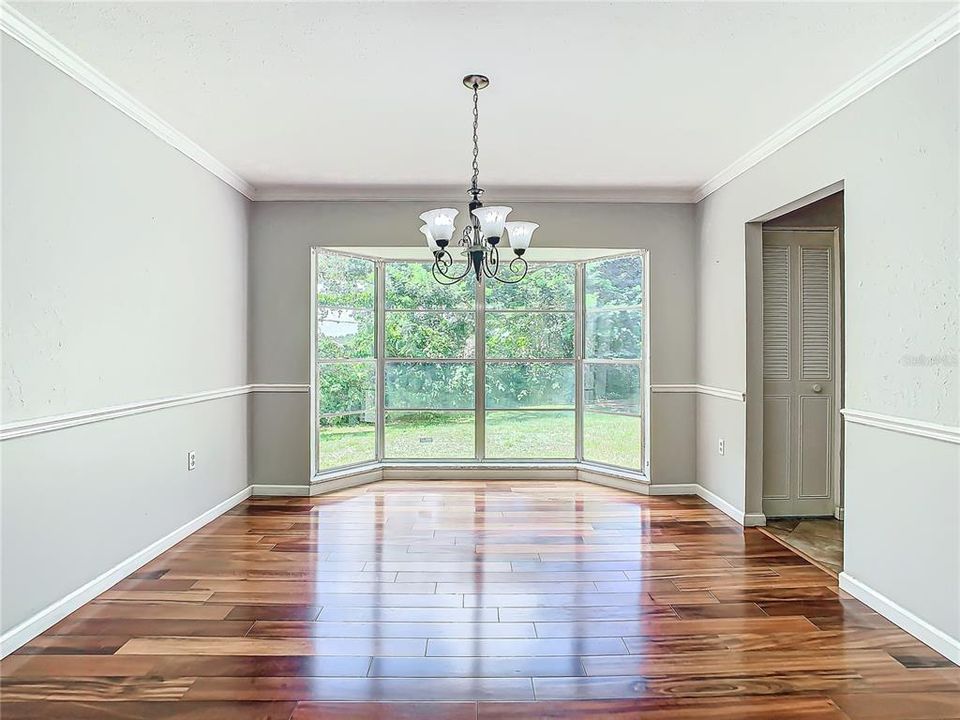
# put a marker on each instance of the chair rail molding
(906, 426)
(49, 423)
(711, 390)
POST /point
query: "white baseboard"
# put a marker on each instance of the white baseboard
(599, 477)
(926, 633)
(675, 489)
(745, 519)
(279, 490)
(344, 482)
(57, 611)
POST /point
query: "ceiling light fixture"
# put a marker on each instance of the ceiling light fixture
(481, 237)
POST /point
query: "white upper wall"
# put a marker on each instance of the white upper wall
(896, 150)
(124, 264)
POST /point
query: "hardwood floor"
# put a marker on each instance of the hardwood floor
(461, 600)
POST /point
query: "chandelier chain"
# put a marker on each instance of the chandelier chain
(476, 137)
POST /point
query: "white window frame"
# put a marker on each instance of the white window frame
(479, 460)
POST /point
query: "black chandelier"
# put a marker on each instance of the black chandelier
(481, 237)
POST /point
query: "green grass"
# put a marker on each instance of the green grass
(613, 439)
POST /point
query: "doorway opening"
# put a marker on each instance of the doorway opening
(801, 305)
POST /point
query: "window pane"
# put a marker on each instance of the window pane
(529, 335)
(612, 439)
(614, 388)
(345, 333)
(614, 334)
(614, 282)
(345, 440)
(429, 435)
(531, 434)
(429, 385)
(529, 385)
(544, 287)
(410, 286)
(344, 282)
(346, 387)
(430, 335)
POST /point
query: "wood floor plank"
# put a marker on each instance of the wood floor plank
(465, 599)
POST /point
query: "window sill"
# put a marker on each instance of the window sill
(513, 470)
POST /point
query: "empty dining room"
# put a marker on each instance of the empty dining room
(498, 360)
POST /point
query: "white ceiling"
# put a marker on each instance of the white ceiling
(608, 95)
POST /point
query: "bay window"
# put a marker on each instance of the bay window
(548, 369)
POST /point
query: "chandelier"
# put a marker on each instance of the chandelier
(481, 237)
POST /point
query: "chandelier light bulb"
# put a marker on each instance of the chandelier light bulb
(491, 220)
(440, 223)
(519, 234)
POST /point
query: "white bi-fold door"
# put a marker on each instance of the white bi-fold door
(799, 377)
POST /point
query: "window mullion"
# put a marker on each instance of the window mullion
(578, 351)
(480, 371)
(379, 353)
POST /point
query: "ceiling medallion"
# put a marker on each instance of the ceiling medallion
(480, 239)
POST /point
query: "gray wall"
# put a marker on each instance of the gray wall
(124, 280)
(282, 234)
(896, 150)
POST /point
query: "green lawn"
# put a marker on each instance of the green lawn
(613, 439)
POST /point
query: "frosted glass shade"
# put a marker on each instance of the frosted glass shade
(491, 220)
(519, 234)
(440, 223)
(431, 243)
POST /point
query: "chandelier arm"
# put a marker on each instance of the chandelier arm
(438, 272)
(520, 274)
(491, 262)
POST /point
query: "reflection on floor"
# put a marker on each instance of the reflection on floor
(819, 538)
(472, 600)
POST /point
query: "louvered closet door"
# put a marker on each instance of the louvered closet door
(799, 402)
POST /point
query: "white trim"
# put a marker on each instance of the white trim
(926, 633)
(450, 193)
(49, 423)
(921, 44)
(280, 387)
(745, 519)
(355, 478)
(946, 433)
(35, 426)
(479, 471)
(675, 489)
(55, 612)
(257, 490)
(727, 394)
(34, 38)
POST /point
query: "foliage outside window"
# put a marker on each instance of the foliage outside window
(345, 371)
(509, 358)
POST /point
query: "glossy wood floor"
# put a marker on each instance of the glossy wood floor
(477, 600)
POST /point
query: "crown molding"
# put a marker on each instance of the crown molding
(34, 38)
(927, 40)
(450, 193)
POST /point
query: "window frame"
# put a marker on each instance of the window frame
(579, 361)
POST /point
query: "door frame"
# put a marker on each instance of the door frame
(753, 240)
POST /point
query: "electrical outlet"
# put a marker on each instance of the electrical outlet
(720, 446)
(192, 460)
